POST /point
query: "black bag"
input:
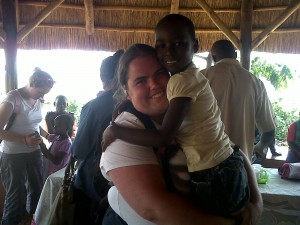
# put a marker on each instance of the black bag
(63, 208)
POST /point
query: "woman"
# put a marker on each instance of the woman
(21, 161)
(135, 173)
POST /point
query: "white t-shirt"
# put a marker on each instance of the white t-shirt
(201, 134)
(26, 122)
(243, 101)
(121, 154)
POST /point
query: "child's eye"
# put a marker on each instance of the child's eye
(159, 45)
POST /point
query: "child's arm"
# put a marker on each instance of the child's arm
(56, 159)
(149, 137)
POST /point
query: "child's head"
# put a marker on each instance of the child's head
(175, 42)
(61, 103)
(63, 124)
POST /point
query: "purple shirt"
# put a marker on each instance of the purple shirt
(56, 147)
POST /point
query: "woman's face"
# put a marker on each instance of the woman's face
(38, 93)
(146, 86)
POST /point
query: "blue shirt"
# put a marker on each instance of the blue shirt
(94, 118)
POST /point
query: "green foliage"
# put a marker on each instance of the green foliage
(74, 107)
(283, 119)
(276, 73)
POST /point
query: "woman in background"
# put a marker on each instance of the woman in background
(21, 160)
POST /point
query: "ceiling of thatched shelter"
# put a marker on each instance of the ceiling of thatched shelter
(109, 25)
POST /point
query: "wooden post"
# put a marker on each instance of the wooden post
(10, 46)
(246, 32)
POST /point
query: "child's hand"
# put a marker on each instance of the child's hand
(107, 137)
(32, 140)
(51, 137)
(119, 108)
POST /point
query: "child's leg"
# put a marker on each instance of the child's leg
(230, 184)
(224, 188)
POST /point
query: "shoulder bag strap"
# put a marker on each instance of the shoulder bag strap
(162, 156)
(17, 108)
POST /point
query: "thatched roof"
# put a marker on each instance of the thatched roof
(117, 24)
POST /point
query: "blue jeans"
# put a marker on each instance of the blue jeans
(22, 179)
(224, 188)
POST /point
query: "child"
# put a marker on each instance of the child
(59, 152)
(60, 104)
(218, 176)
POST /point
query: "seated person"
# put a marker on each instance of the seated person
(60, 104)
(293, 140)
(58, 154)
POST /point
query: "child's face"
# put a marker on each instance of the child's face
(60, 127)
(61, 105)
(175, 47)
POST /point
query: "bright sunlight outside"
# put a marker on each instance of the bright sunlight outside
(77, 73)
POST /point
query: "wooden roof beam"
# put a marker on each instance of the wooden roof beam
(43, 14)
(219, 23)
(174, 6)
(89, 16)
(277, 22)
(157, 9)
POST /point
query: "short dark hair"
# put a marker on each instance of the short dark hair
(109, 66)
(67, 120)
(179, 19)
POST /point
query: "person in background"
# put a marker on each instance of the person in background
(60, 104)
(242, 99)
(293, 140)
(140, 195)
(271, 146)
(21, 160)
(95, 117)
(58, 154)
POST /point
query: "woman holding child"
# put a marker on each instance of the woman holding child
(140, 193)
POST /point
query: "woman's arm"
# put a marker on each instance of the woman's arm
(6, 110)
(144, 189)
(151, 137)
(254, 209)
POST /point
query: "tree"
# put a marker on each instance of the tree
(277, 74)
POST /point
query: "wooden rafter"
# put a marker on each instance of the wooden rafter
(219, 23)
(157, 9)
(150, 30)
(277, 22)
(89, 16)
(43, 14)
(174, 6)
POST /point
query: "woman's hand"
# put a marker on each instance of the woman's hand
(251, 214)
(108, 136)
(32, 140)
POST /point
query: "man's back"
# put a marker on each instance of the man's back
(243, 102)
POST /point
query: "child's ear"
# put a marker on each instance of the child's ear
(196, 45)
